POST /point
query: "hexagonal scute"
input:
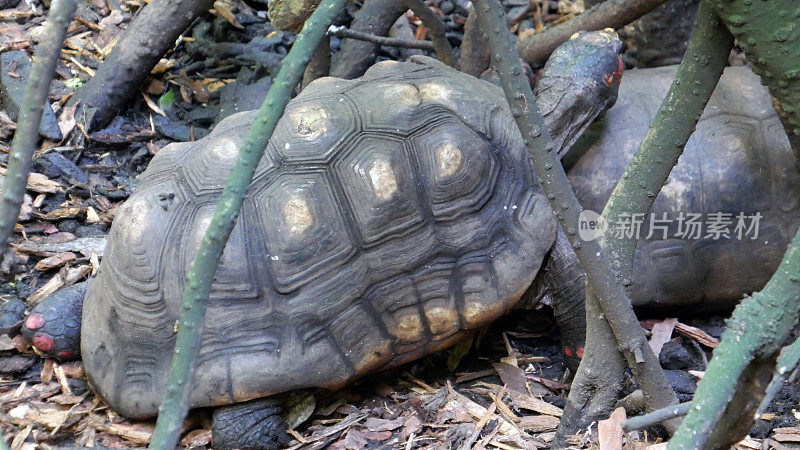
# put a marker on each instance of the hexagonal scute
(234, 278)
(378, 182)
(206, 170)
(390, 105)
(306, 234)
(310, 130)
(459, 167)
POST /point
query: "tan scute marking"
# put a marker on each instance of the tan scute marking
(403, 94)
(310, 121)
(384, 183)
(448, 160)
(478, 313)
(435, 92)
(297, 214)
(375, 357)
(441, 320)
(408, 328)
(224, 148)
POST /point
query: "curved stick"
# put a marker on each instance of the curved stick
(612, 14)
(443, 49)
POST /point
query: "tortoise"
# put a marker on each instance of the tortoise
(738, 161)
(389, 217)
(740, 130)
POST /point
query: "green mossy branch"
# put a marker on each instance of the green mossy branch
(698, 74)
(614, 300)
(27, 134)
(754, 335)
(769, 33)
(191, 322)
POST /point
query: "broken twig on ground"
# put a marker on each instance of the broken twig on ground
(346, 33)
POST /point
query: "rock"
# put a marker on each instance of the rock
(89, 231)
(8, 3)
(15, 68)
(290, 15)
(56, 165)
(246, 93)
(12, 314)
(683, 383)
(674, 356)
(16, 364)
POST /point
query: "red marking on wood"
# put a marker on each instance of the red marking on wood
(34, 322)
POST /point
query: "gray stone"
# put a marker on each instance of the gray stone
(12, 91)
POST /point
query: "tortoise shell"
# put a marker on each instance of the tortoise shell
(389, 216)
(737, 161)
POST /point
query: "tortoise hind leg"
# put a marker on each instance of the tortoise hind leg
(256, 424)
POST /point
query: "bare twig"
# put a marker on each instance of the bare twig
(443, 49)
(30, 115)
(612, 14)
(656, 417)
(346, 33)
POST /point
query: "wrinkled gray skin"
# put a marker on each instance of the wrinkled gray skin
(738, 161)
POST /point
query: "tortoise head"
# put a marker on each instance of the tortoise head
(579, 83)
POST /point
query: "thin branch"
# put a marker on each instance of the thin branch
(443, 49)
(656, 417)
(614, 300)
(346, 33)
(191, 322)
(612, 14)
(30, 115)
(474, 58)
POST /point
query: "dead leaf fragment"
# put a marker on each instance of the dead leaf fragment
(610, 432)
(55, 261)
(661, 334)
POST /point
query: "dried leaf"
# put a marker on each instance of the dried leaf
(152, 105)
(538, 424)
(610, 432)
(197, 438)
(661, 334)
(512, 376)
(376, 424)
(697, 334)
(377, 436)
(55, 261)
(534, 404)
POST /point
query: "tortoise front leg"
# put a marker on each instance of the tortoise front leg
(256, 424)
(54, 325)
